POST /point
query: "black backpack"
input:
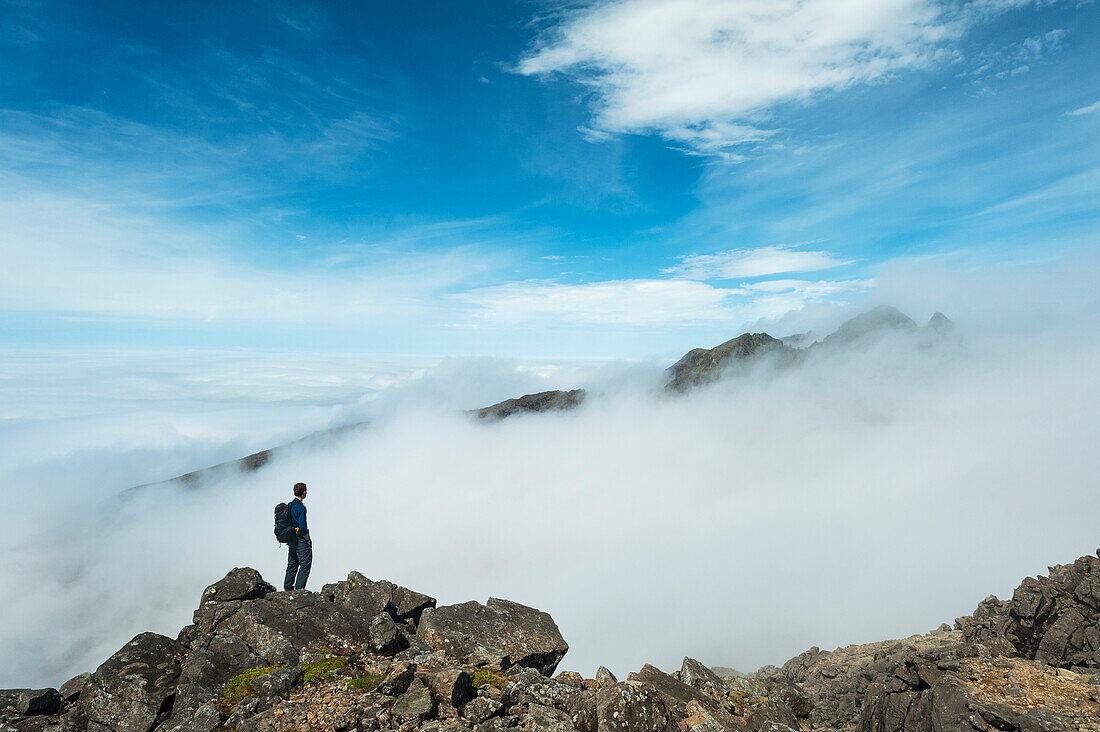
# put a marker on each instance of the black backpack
(284, 525)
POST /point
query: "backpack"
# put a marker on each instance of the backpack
(284, 525)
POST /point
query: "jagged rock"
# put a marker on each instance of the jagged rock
(480, 709)
(70, 690)
(397, 679)
(416, 704)
(838, 681)
(206, 718)
(386, 636)
(242, 583)
(247, 709)
(280, 626)
(771, 711)
(531, 687)
(30, 702)
(572, 678)
(451, 687)
(629, 706)
(275, 683)
(1053, 619)
(542, 402)
(790, 694)
(677, 695)
(548, 719)
(134, 689)
(702, 365)
(604, 676)
(211, 661)
(697, 675)
(498, 724)
(371, 598)
(499, 634)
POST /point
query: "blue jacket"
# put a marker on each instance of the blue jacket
(298, 517)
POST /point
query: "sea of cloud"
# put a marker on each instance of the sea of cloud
(872, 493)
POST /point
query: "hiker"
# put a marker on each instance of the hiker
(300, 546)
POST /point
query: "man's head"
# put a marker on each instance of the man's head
(300, 490)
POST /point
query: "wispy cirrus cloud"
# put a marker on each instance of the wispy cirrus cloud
(706, 73)
(1089, 109)
(757, 262)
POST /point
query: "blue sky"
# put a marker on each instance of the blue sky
(597, 179)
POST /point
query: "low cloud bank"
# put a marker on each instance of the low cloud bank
(865, 495)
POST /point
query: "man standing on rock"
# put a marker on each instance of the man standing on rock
(300, 556)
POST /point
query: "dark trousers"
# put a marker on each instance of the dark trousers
(299, 560)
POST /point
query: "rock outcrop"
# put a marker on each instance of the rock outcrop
(702, 365)
(1053, 619)
(546, 401)
(372, 655)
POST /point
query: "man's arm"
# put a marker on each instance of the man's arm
(303, 527)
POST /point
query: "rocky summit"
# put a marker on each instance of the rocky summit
(366, 654)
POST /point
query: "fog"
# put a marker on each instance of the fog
(867, 494)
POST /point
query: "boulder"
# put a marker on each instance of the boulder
(499, 634)
(206, 718)
(771, 711)
(133, 691)
(30, 702)
(631, 706)
(70, 690)
(371, 598)
(416, 704)
(281, 625)
(677, 695)
(604, 676)
(275, 683)
(242, 583)
(386, 636)
(699, 676)
(397, 680)
(539, 718)
(478, 710)
(451, 687)
(211, 661)
(531, 687)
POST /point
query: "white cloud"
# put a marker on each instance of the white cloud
(69, 255)
(626, 302)
(1094, 107)
(704, 73)
(753, 263)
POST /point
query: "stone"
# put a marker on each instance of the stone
(499, 634)
(34, 702)
(242, 583)
(530, 687)
(397, 679)
(452, 687)
(677, 695)
(695, 674)
(416, 704)
(630, 706)
(206, 718)
(770, 711)
(371, 597)
(604, 676)
(539, 718)
(385, 635)
(211, 661)
(275, 683)
(478, 710)
(134, 689)
(282, 625)
(70, 690)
